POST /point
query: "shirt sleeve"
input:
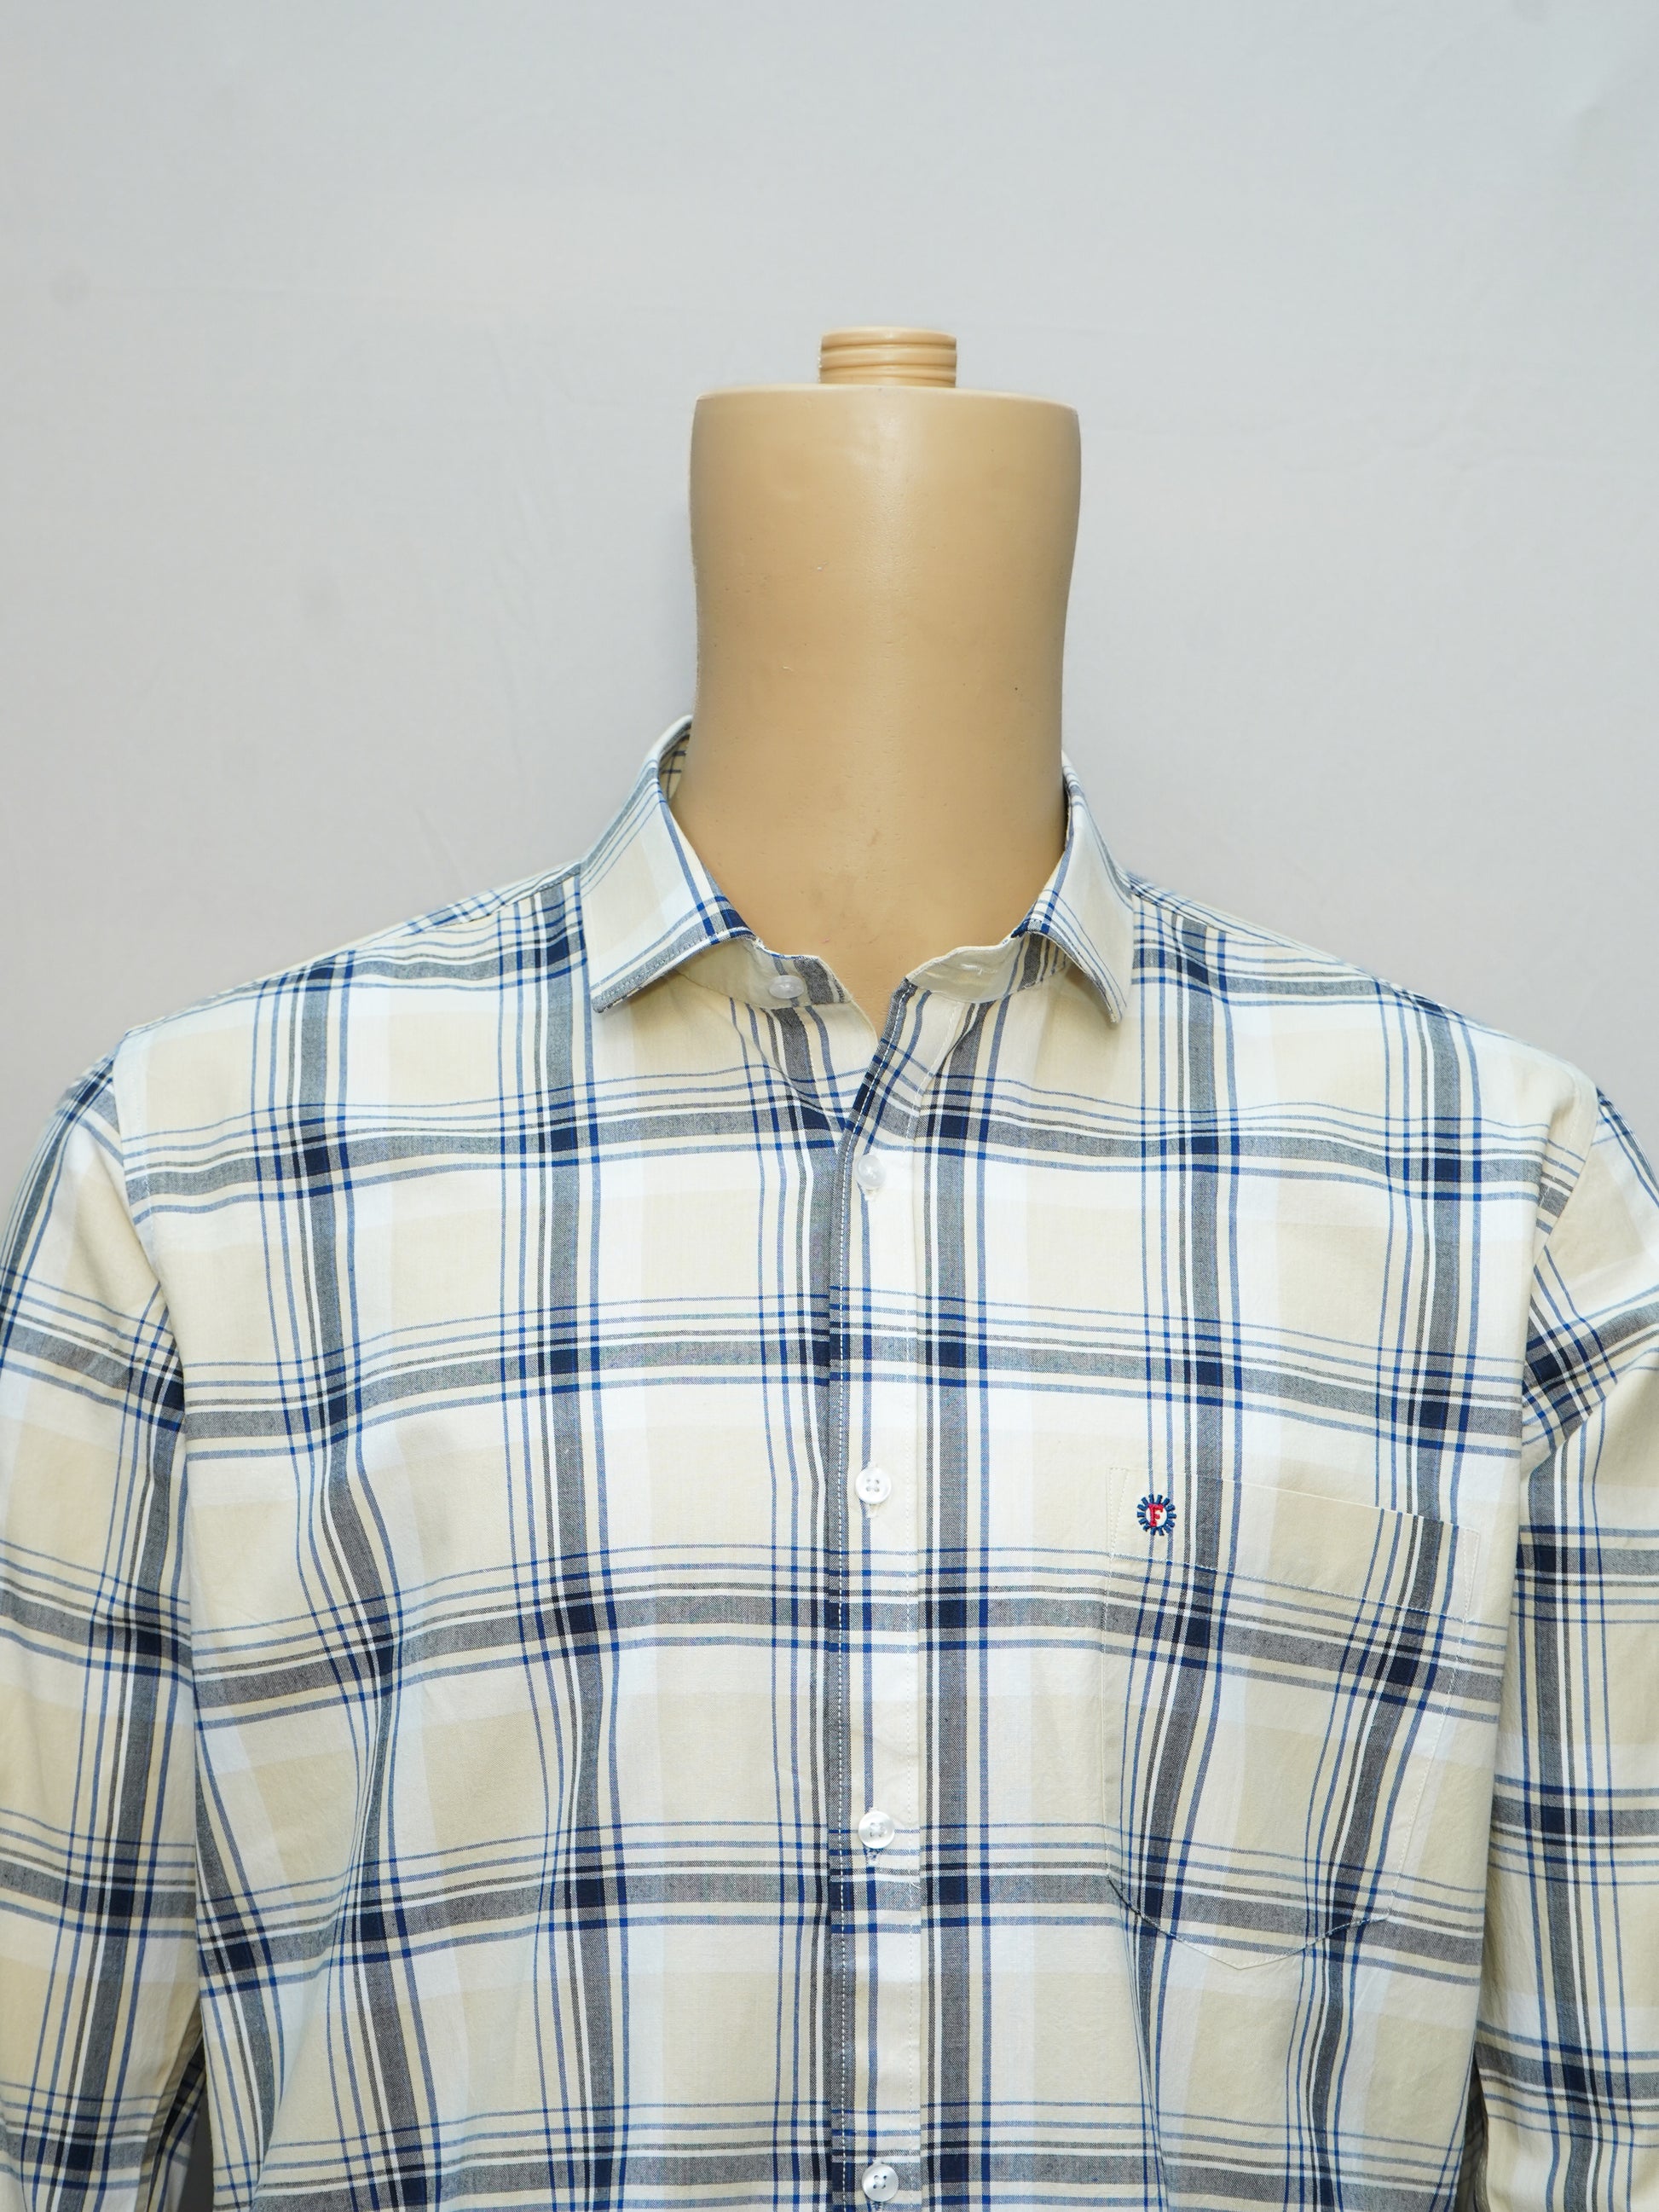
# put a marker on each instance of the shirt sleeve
(100, 2075)
(1567, 2048)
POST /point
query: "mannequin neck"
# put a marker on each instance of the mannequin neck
(873, 770)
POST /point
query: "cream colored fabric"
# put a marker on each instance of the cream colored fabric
(455, 1700)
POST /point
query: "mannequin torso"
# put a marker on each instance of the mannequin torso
(882, 568)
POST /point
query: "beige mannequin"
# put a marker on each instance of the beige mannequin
(881, 566)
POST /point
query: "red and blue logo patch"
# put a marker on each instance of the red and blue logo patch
(1156, 1514)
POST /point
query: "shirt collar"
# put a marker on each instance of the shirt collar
(649, 904)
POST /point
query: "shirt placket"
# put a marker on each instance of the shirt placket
(879, 2003)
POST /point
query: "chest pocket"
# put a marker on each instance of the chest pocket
(1277, 1669)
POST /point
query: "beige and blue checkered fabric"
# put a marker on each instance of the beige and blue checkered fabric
(618, 1594)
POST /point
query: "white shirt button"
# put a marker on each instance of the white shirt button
(880, 2182)
(874, 1486)
(876, 1830)
(872, 1171)
(785, 987)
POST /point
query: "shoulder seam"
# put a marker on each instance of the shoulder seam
(476, 908)
(117, 1060)
(1220, 923)
(1590, 1102)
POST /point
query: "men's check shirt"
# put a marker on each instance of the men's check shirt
(619, 1594)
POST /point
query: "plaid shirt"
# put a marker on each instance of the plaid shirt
(617, 1594)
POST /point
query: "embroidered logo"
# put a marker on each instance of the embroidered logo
(1155, 1513)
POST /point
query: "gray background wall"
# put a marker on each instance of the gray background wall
(349, 357)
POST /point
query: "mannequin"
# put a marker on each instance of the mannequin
(881, 566)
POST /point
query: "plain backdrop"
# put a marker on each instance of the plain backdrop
(347, 366)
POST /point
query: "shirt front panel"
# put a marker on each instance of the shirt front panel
(548, 1658)
(633, 1593)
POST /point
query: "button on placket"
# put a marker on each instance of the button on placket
(876, 1830)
